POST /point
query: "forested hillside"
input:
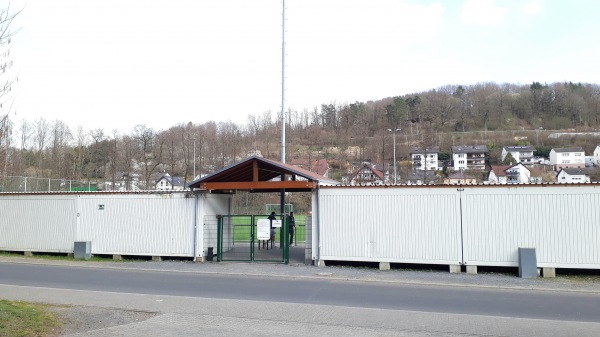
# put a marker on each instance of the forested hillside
(485, 113)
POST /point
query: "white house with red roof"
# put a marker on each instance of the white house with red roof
(367, 175)
(509, 174)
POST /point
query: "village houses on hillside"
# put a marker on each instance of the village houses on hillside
(467, 164)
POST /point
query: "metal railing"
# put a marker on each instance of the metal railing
(32, 184)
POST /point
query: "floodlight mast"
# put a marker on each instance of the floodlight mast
(394, 131)
(282, 192)
(194, 170)
(283, 83)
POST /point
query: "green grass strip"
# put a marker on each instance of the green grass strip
(21, 319)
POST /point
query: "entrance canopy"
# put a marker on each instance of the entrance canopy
(257, 174)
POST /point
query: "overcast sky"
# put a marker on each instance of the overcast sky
(113, 64)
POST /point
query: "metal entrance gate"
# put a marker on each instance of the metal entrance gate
(237, 240)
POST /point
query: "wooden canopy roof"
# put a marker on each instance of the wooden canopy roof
(257, 174)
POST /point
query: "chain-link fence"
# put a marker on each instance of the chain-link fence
(30, 184)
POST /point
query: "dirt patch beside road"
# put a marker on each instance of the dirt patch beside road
(79, 319)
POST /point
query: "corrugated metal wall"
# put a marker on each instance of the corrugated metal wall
(476, 225)
(561, 222)
(137, 224)
(389, 225)
(154, 224)
(24, 227)
(423, 224)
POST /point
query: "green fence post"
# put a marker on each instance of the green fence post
(252, 236)
(219, 237)
(286, 238)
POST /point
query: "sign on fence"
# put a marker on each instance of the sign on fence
(263, 229)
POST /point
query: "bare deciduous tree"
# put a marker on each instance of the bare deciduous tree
(41, 134)
(149, 151)
(7, 15)
(79, 152)
(61, 139)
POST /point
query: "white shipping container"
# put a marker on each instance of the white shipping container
(473, 225)
(562, 222)
(401, 225)
(137, 224)
(37, 222)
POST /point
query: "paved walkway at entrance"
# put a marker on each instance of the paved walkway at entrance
(185, 316)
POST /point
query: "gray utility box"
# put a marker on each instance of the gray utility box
(82, 250)
(527, 263)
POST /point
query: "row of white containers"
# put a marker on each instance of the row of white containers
(472, 225)
(151, 224)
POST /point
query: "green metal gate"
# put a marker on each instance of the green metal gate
(237, 240)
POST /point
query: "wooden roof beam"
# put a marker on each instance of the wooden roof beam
(258, 185)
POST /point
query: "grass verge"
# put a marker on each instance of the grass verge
(57, 256)
(21, 319)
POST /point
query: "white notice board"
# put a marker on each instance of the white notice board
(276, 223)
(263, 229)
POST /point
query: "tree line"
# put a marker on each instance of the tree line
(343, 133)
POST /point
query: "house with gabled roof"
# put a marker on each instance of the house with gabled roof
(509, 174)
(572, 176)
(367, 174)
(320, 167)
(498, 174)
(522, 154)
(567, 157)
(166, 182)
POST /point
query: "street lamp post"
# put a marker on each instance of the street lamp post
(394, 131)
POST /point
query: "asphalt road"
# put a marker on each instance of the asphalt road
(561, 306)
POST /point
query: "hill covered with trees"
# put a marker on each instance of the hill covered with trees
(484, 113)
